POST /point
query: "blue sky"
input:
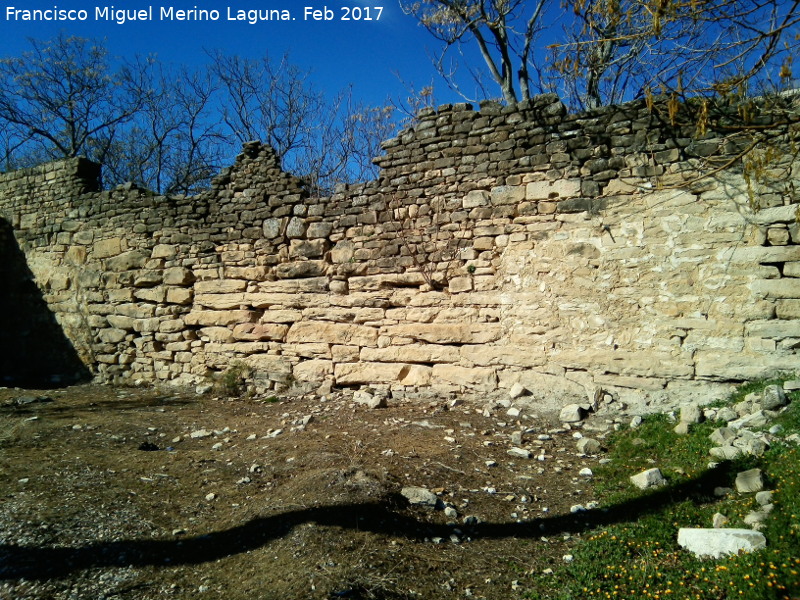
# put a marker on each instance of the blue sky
(372, 56)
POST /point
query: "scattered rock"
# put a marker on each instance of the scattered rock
(636, 422)
(649, 478)
(773, 398)
(572, 413)
(764, 498)
(519, 452)
(588, 446)
(518, 390)
(749, 481)
(681, 428)
(420, 496)
(200, 433)
(716, 543)
(691, 413)
(719, 521)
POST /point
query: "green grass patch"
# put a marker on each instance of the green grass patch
(636, 555)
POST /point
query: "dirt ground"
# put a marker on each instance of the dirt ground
(136, 494)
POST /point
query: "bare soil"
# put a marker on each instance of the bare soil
(105, 493)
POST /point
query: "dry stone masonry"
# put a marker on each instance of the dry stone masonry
(564, 253)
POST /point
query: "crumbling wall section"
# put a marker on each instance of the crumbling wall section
(564, 252)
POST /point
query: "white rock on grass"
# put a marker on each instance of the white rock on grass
(773, 397)
(649, 478)
(749, 481)
(716, 543)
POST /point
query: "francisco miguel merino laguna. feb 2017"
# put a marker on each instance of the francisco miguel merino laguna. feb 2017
(170, 13)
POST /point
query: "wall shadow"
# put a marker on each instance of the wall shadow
(34, 352)
(385, 518)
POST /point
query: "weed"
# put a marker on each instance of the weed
(233, 381)
(640, 557)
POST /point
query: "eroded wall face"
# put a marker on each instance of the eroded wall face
(563, 252)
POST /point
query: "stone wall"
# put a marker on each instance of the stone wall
(564, 252)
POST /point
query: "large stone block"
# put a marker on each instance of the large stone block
(178, 276)
(412, 353)
(108, 247)
(300, 269)
(435, 333)
(717, 543)
(260, 331)
(313, 370)
(507, 355)
(740, 366)
(365, 373)
(135, 259)
(220, 286)
(477, 378)
(219, 317)
(332, 333)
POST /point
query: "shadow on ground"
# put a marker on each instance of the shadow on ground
(384, 518)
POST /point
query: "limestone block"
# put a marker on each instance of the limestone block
(791, 269)
(220, 286)
(561, 188)
(717, 543)
(164, 251)
(347, 354)
(107, 248)
(181, 296)
(299, 269)
(417, 376)
(642, 364)
(274, 228)
(313, 370)
(460, 284)
(476, 198)
(478, 378)
(778, 329)
(319, 230)
(111, 336)
(506, 354)
(134, 259)
(441, 333)
(388, 281)
(293, 286)
(281, 316)
(342, 252)
(121, 322)
(216, 334)
(119, 296)
(507, 194)
(739, 366)
(171, 326)
(145, 325)
(219, 317)
(366, 372)
(296, 228)
(76, 255)
(221, 301)
(307, 350)
(776, 288)
(178, 276)
(147, 278)
(307, 248)
(260, 331)
(787, 309)
(412, 353)
(332, 333)
(155, 294)
(760, 254)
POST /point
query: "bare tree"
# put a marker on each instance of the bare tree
(504, 32)
(65, 99)
(322, 139)
(618, 49)
(174, 144)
